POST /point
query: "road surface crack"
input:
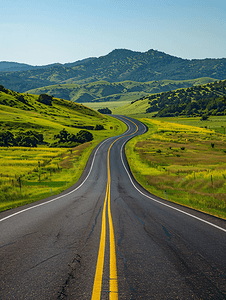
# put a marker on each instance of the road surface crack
(45, 260)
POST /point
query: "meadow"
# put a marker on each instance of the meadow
(183, 162)
(29, 174)
(109, 104)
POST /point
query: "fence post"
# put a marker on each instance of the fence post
(19, 183)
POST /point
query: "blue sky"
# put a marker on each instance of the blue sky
(43, 32)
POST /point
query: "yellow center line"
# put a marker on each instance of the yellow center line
(100, 261)
(113, 281)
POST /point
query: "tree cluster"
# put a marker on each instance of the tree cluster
(66, 139)
(214, 107)
(23, 139)
(194, 101)
(45, 99)
(105, 111)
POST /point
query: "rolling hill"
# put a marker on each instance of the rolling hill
(208, 99)
(102, 91)
(46, 115)
(117, 66)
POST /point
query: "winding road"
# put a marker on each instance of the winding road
(108, 238)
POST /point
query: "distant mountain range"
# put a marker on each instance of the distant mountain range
(119, 65)
(7, 66)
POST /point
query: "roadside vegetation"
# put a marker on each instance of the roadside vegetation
(186, 164)
(45, 143)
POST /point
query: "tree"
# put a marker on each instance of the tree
(62, 136)
(84, 136)
(45, 99)
(29, 138)
(204, 118)
(67, 139)
(105, 111)
(28, 141)
(99, 127)
(7, 139)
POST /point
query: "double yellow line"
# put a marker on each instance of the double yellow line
(113, 281)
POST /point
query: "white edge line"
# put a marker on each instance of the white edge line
(44, 203)
(181, 211)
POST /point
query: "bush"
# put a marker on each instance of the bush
(204, 118)
(67, 139)
(45, 99)
(99, 127)
(105, 111)
(7, 139)
(24, 139)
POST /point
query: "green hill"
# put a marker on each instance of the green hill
(45, 143)
(209, 99)
(119, 65)
(48, 116)
(102, 91)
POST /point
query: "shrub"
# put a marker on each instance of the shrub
(99, 127)
(45, 99)
(204, 118)
(105, 111)
(67, 139)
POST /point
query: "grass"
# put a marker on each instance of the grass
(30, 174)
(110, 104)
(104, 91)
(42, 171)
(187, 162)
(139, 107)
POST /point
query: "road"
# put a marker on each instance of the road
(108, 238)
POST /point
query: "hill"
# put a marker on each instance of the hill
(209, 99)
(39, 119)
(102, 91)
(7, 66)
(117, 66)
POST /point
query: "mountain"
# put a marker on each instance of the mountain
(119, 65)
(6, 66)
(101, 91)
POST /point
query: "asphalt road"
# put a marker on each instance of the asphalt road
(108, 238)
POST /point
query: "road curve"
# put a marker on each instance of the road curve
(108, 238)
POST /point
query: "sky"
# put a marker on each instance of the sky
(61, 31)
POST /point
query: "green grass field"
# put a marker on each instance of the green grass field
(187, 162)
(111, 104)
(29, 174)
